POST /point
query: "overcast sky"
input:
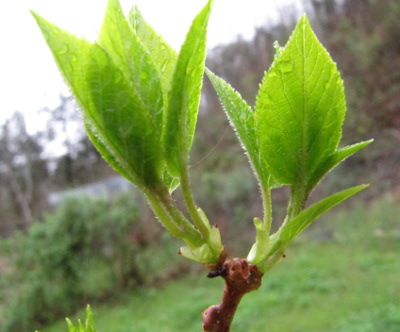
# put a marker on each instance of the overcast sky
(29, 79)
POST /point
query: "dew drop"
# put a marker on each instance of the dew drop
(286, 66)
(277, 47)
(64, 49)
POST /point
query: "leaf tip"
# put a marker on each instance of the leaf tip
(35, 15)
(369, 141)
(304, 20)
(363, 186)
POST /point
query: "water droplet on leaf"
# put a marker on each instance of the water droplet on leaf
(64, 49)
(277, 47)
(286, 66)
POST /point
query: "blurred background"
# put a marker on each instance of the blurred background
(73, 232)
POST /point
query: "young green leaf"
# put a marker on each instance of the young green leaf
(131, 57)
(298, 224)
(241, 117)
(300, 108)
(106, 153)
(118, 118)
(89, 324)
(72, 57)
(280, 240)
(184, 96)
(164, 58)
(171, 181)
(122, 119)
(163, 55)
(333, 160)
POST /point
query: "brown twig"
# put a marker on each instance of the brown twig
(240, 278)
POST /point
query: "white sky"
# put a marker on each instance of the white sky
(29, 78)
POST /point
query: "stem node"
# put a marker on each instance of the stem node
(240, 278)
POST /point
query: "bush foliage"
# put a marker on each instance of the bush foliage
(86, 251)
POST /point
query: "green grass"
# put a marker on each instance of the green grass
(342, 276)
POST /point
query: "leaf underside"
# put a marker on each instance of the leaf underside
(124, 114)
(163, 55)
(241, 118)
(292, 228)
(164, 58)
(296, 225)
(184, 95)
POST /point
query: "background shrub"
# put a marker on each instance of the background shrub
(87, 250)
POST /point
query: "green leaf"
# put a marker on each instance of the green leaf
(123, 119)
(126, 50)
(304, 219)
(89, 324)
(80, 326)
(279, 241)
(164, 58)
(71, 327)
(72, 56)
(105, 153)
(333, 160)
(119, 119)
(171, 182)
(163, 55)
(300, 108)
(89, 320)
(184, 96)
(241, 118)
(203, 254)
(131, 57)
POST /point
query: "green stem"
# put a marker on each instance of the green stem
(298, 198)
(267, 206)
(172, 219)
(191, 206)
(163, 215)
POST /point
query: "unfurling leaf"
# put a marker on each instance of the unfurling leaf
(89, 324)
(116, 110)
(280, 240)
(164, 58)
(184, 95)
(333, 160)
(296, 225)
(163, 55)
(241, 117)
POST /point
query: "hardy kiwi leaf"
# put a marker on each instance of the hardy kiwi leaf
(241, 117)
(300, 108)
(333, 160)
(124, 118)
(280, 240)
(118, 118)
(163, 55)
(305, 218)
(72, 56)
(164, 58)
(184, 95)
(118, 39)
